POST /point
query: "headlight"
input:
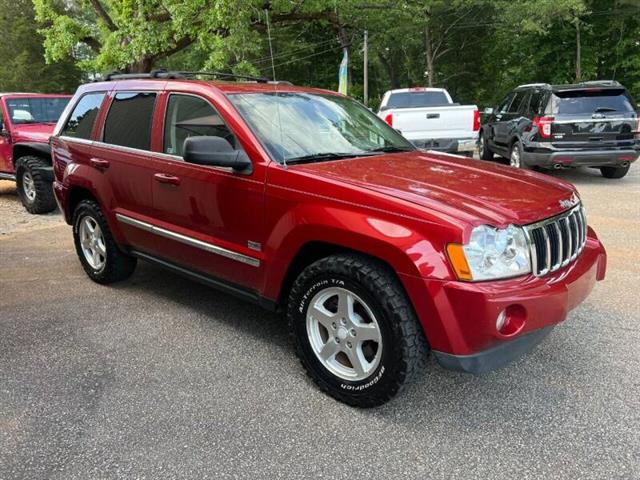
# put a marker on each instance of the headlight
(491, 254)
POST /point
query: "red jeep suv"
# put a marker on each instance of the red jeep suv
(26, 123)
(302, 199)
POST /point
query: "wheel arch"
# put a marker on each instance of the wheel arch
(24, 149)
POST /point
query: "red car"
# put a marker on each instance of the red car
(303, 200)
(26, 123)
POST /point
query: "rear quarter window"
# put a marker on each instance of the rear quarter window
(82, 118)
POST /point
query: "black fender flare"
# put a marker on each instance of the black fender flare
(42, 150)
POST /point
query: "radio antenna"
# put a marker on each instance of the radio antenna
(273, 70)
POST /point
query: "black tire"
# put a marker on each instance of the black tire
(39, 198)
(614, 172)
(117, 265)
(516, 148)
(404, 348)
(485, 151)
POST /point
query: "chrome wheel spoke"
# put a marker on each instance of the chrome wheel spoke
(322, 316)
(345, 305)
(92, 243)
(357, 360)
(329, 350)
(367, 331)
(100, 247)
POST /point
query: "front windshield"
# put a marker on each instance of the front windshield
(295, 126)
(36, 110)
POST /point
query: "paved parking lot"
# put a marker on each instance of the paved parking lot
(159, 377)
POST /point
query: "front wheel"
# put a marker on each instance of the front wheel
(614, 172)
(354, 329)
(34, 190)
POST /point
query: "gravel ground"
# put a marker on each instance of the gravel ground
(159, 377)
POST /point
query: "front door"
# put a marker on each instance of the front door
(212, 217)
(6, 149)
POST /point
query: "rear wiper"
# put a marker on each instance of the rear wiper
(318, 157)
(391, 149)
(605, 109)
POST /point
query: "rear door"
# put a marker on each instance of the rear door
(592, 118)
(124, 157)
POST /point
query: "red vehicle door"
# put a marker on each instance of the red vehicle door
(6, 148)
(212, 217)
(123, 155)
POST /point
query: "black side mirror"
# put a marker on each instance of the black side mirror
(215, 151)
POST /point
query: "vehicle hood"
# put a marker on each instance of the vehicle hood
(471, 190)
(36, 133)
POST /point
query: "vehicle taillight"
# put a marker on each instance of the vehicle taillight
(544, 125)
(389, 119)
(476, 120)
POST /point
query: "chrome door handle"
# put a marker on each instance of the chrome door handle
(99, 163)
(165, 178)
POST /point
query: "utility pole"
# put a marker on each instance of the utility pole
(366, 73)
(578, 53)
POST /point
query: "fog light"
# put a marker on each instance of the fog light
(502, 317)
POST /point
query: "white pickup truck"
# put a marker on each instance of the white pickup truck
(429, 119)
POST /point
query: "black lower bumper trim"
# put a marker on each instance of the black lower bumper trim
(495, 357)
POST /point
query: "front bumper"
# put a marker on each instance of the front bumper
(580, 158)
(459, 318)
(449, 145)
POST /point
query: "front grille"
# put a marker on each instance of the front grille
(557, 241)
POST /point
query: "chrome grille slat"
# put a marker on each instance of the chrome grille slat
(557, 241)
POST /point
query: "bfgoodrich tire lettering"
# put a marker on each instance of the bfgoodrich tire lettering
(113, 265)
(404, 349)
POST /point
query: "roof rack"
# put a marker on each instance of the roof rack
(166, 74)
(608, 83)
(533, 85)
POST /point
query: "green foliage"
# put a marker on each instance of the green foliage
(22, 55)
(478, 49)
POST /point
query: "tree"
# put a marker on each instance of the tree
(22, 55)
(137, 35)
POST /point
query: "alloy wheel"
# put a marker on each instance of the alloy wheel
(514, 160)
(344, 334)
(28, 186)
(92, 242)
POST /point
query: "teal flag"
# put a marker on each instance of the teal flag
(343, 75)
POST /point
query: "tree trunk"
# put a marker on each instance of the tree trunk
(391, 71)
(143, 65)
(578, 53)
(428, 47)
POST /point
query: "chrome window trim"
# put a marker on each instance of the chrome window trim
(67, 138)
(193, 242)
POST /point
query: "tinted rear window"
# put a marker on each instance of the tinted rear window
(588, 102)
(129, 121)
(417, 99)
(81, 120)
(36, 110)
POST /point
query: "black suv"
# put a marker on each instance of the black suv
(594, 124)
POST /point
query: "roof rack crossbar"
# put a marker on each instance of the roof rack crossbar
(165, 74)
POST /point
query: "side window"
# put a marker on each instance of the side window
(536, 104)
(518, 100)
(504, 105)
(83, 116)
(128, 123)
(189, 116)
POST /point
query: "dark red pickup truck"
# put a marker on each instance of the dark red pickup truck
(303, 200)
(26, 123)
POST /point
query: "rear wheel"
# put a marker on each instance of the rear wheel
(614, 172)
(515, 156)
(355, 330)
(34, 190)
(485, 152)
(98, 252)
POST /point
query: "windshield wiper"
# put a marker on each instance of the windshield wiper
(318, 157)
(391, 149)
